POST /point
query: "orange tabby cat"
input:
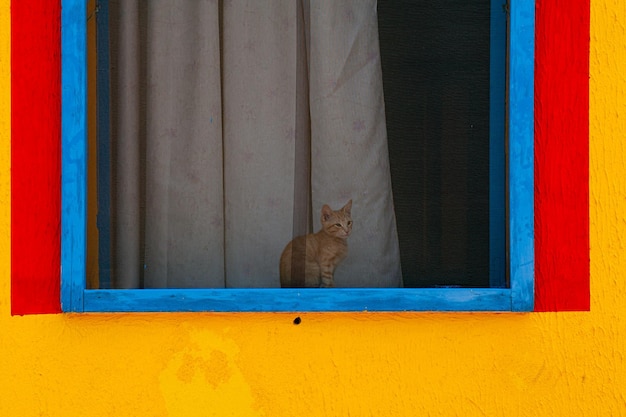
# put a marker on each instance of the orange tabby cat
(310, 260)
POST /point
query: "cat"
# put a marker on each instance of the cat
(316, 255)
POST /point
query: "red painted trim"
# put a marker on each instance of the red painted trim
(35, 156)
(561, 173)
(562, 156)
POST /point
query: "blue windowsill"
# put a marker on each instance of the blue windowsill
(298, 300)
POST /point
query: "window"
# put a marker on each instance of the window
(517, 296)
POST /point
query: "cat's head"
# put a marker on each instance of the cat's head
(337, 223)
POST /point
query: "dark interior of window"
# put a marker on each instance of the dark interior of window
(436, 74)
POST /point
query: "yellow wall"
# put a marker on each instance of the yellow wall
(538, 364)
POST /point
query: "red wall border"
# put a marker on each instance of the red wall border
(35, 156)
(561, 156)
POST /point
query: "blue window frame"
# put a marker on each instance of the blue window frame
(75, 297)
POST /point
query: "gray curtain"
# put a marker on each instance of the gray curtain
(233, 123)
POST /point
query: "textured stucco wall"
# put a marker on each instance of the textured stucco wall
(537, 364)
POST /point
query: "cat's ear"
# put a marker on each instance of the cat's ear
(326, 212)
(348, 207)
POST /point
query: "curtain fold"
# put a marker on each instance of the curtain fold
(261, 129)
(349, 139)
(126, 138)
(235, 123)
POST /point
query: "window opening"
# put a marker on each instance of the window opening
(445, 106)
(519, 180)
